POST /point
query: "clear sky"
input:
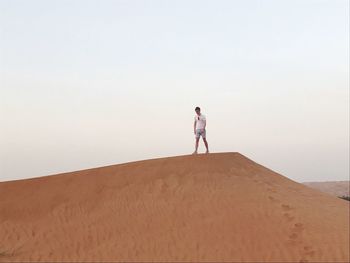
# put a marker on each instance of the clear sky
(93, 83)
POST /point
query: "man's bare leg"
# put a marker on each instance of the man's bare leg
(206, 145)
(196, 150)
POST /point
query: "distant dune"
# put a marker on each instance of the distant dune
(336, 188)
(217, 207)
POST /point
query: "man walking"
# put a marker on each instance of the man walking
(200, 123)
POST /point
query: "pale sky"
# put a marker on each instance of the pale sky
(85, 84)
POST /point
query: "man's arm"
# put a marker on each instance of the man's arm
(205, 122)
(194, 126)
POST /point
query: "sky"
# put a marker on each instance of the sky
(86, 83)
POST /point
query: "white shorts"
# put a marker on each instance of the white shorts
(200, 132)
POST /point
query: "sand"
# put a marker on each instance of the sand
(336, 188)
(217, 207)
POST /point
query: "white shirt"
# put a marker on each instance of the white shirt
(200, 121)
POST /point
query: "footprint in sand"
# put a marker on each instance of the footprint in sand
(307, 252)
(298, 227)
(288, 217)
(296, 230)
(271, 190)
(258, 182)
(293, 236)
(272, 199)
(286, 207)
(295, 239)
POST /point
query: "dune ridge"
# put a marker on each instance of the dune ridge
(220, 207)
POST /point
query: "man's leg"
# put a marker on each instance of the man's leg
(197, 142)
(206, 144)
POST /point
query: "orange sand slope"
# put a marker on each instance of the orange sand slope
(216, 207)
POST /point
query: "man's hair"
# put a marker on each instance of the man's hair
(197, 108)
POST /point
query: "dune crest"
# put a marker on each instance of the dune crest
(216, 207)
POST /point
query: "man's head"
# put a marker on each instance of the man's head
(198, 110)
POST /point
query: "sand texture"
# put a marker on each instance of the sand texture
(217, 207)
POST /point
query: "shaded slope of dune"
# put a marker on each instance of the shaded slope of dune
(216, 207)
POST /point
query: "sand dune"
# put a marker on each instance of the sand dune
(216, 207)
(336, 188)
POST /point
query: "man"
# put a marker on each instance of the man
(200, 123)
